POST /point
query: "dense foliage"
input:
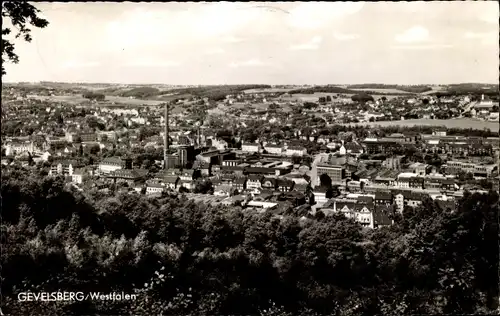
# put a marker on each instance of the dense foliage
(362, 97)
(141, 92)
(183, 258)
(94, 96)
(321, 89)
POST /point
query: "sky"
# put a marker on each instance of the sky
(263, 43)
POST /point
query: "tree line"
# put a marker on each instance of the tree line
(188, 258)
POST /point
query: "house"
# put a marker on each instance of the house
(274, 149)
(421, 169)
(251, 147)
(410, 180)
(296, 151)
(14, 148)
(77, 176)
(234, 200)
(187, 175)
(111, 164)
(129, 176)
(203, 167)
(65, 167)
(155, 189)
(224, 190)
(240, 184)
(269, 184)
(285, 185)
(255, 181)
(362, 213)
(320, 195)
(381, 216)
(383, 198)
(408, 198)
(353, 148)
(171, 181)
(88, 137)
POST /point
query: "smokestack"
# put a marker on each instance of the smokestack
(199, 139)
(166, 143)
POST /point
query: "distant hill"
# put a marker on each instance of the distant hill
(140, 92)
(491, 90)
(322, 89)
(216, 93)
(340, 90)
(404, 88)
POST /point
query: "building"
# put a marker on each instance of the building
(111, 164)
(224, 190)
(285, 185)
(375, 146)
(335, 172)
(383, 198)
(255, 181)
(170, 181)
(410, 180)
(155, 189)
(251, 147)
(352, 208)
(185, 155)
(477, 170)
(296, 151)
(240, 184)
(420, 169)
(77, 176)
(88, 137)
(130, 176)
(110, 135)
(14, 148)
(274, 149)
(65, 167)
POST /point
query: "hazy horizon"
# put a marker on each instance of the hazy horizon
(406, 43)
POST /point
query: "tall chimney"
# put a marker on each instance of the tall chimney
(166, 143)
(199, 139)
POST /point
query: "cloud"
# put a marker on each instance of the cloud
(413, 35)
(345, 37)
(146, 27)
(222, 17)
(151, 62)
(215, 51)
(491, 16)
(248, 63)
(311, 45)
(422, 47)
(80, 64)
(232, 39)
(313, 15)
(486, 37)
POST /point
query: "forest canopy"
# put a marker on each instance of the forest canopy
(185, 258)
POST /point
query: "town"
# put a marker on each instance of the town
(303, 150)
(245, 158)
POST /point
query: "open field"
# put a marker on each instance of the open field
(313, 97)
(76, 99)
(388, 91)
(453, 123)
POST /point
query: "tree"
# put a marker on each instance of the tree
(325, 181)
(19, 14)
(362, 98)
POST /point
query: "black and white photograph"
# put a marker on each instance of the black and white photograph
(250, 158)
